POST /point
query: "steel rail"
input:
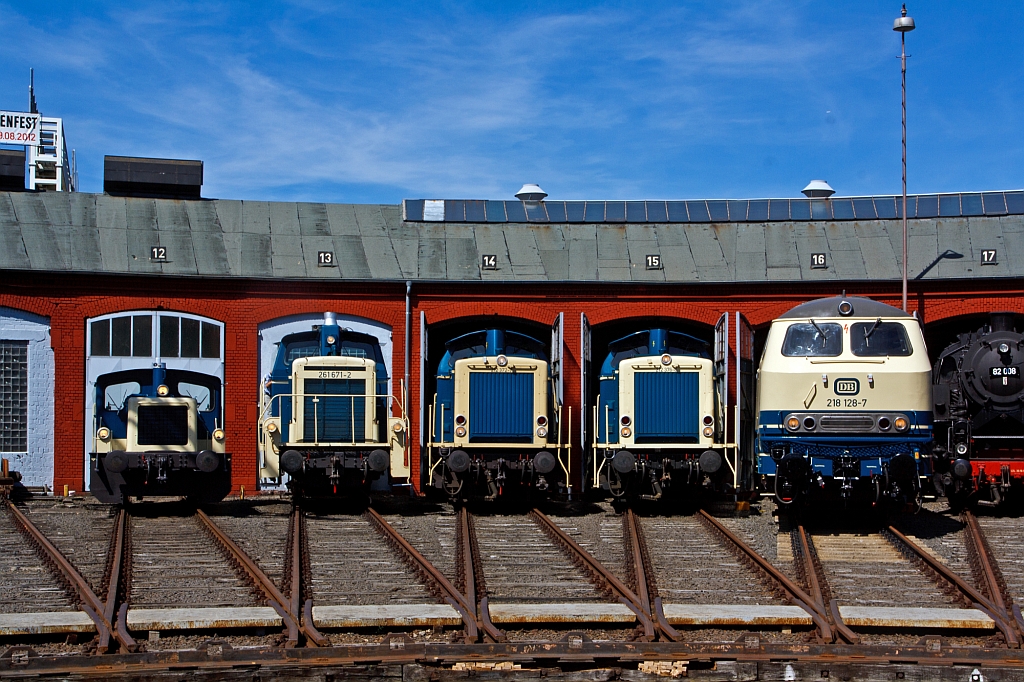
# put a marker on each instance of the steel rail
(114, 581)
(811, 570)
(987, 565)
(793, 592)
(302, 612)
(980, 601)
(647, 587)
(256, 576)
(89, 602)
(429, 573)
(472, 576)
(600, 575)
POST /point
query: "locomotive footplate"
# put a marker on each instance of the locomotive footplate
(203, 475)
(487, 477)
(310, 469)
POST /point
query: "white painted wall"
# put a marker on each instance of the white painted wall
(36, 465)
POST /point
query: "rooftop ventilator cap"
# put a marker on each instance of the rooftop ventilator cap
(531, 192)
(818, 189)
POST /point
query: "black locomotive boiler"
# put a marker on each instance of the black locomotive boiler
(978, 392)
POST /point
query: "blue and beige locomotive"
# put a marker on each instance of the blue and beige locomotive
(844, 403)
(654, 422)
(326, 416)
(979, 414)
(494, 418)
(159, 432)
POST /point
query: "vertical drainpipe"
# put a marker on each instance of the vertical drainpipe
(408, 344)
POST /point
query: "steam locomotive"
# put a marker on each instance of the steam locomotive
(654, 423)
(494, 418)
(844, 403)
(159, 432)
(979, 414)
(326, 416)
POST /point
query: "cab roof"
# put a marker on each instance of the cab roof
(829, 307)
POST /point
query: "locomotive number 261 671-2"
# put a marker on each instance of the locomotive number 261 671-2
(333, 375)
(846, 402)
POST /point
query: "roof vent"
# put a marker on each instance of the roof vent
(160, 178)
(531, 192)
(818, 189)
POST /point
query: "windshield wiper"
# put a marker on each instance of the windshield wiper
(824, 340)
(869, 332)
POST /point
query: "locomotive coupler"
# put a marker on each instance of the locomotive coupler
(336, 466)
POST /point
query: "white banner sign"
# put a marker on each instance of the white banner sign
(18, 127)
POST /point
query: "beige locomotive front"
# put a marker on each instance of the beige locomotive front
(105, 443)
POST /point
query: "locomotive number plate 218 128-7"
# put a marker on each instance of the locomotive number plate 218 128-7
(1005, 371)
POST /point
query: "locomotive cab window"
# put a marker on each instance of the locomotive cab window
(879, 339)
(815, 339)
(115, 395)
(201, 394)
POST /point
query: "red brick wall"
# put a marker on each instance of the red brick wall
(68, 300)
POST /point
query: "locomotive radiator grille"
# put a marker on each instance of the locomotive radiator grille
(847, 423)
(163, 424)
(501, 407)
(667, 406)
(330, 409)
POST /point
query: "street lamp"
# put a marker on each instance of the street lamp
(904, 25)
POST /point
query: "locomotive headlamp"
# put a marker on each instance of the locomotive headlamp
(809, 423)
(845, 308)
(103, 433)
(708, 432)
(884, 423)
(162, 390)
(793, 423)
(542, 432)
(460, 419)
(502, 361)
(901, 423)
(1004, 348)
(626, 432)
(542, 420)
(397, 428)
(708, 420)
(331, 340)
(666, 359)
(271, 427)
(461, 432)
(625, 421)
(961, 448)
(218, 434)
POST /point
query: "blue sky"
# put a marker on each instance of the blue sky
(376, 102)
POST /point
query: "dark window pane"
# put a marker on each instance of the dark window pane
(970, 204)
(496, 212)
(100, 343)
(515, 211)
(800, 209)
(912, 207)
(820, 339)
(864, 209)
(595, 212)
(535, 211)
(879, 339)
(842, 209)
(142, 336)
(821, 209)
(475, 212)
(949, 205)
(698, 212)
(1014, 202)
(719, 211)
(455, 211)
(737, 210)
(189, 338)
(656, 212)
(757, 210)
(414, 209)
(211, 340)
(778, 209)
(121, 337)
(994, 203)
(168, 336)
(927, 206)
(556, 211)
(574, 211)
(886, 207)
(615, 212)
(636, 212)
(677, 212)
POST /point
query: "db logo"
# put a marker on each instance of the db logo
(847, 386)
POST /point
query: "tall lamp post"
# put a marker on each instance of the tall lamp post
(904, 25)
